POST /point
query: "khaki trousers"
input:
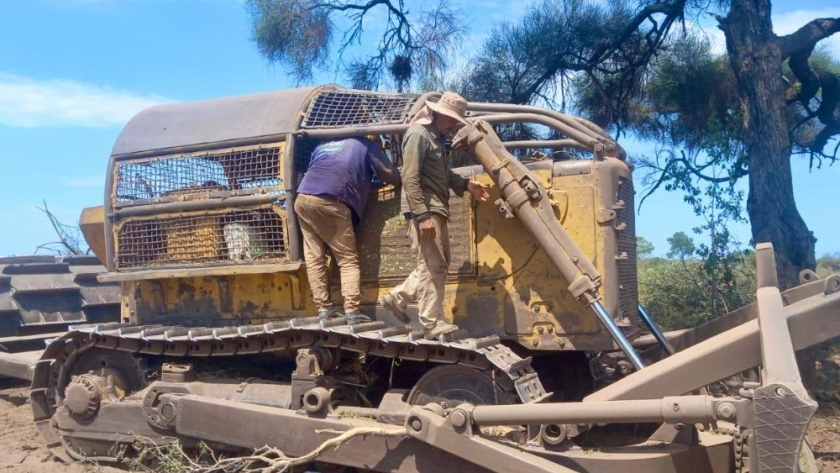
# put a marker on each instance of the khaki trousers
(327, 223)
(427, 283)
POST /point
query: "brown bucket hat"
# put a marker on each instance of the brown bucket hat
(451, 105)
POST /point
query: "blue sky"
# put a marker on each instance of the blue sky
(72, 72)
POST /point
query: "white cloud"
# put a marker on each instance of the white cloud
(27, 102)
(789, 22)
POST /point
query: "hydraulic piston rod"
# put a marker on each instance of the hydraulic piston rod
(617, 335)
(672, 410)
(525, 197)
(655, 330)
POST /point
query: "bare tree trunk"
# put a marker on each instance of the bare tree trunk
(755, 57)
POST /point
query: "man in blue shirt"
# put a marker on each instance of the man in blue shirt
(331, 198)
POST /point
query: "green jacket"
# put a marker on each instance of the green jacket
(425, 175)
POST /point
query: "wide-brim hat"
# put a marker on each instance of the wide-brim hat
(451, 105)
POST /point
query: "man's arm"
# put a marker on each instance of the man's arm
(385, 171)
(460, 184)
(456, 182)
(414, 150)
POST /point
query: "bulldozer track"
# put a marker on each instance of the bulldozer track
(41, 296)
(371, 339)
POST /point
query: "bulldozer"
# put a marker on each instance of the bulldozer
(218, 344)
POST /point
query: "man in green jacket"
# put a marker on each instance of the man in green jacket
(426, 183)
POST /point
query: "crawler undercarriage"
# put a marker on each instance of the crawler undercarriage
(480, 407)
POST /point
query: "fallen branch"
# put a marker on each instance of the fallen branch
(70, 239)
(263, 460)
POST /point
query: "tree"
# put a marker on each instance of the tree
(300, 36)
(611, 51)
(756, 55)
(644, 248)
(682, 246)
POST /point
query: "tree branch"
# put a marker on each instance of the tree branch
(263, 460)
(823, 137)
(808, 79)
(827, 85)
(808, 36)
(606, 49)
(66, 239)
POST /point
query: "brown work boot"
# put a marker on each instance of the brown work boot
(387, 301)
(439, 329)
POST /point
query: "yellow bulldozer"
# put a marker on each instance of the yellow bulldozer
(218, 342)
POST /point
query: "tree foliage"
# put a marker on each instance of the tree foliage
(687, 287)
(638, 66)
(300, 35)
(695, 282)
(528, 60)
(292, 33)
(828, 264)
(644, 248)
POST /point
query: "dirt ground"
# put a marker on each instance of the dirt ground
(21, 449)
(824, 438)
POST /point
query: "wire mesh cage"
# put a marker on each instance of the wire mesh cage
(341, 108)
(383, 243)
(231, 236)
(302, 156)
(213, 174)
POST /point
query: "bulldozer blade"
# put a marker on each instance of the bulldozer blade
(781, 406)
(811, 321)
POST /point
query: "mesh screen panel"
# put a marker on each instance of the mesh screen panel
(241, 172)
(382, 238)
(626, 240)
(234, 236)
(302, 156)
(461, 237)
(334, 109)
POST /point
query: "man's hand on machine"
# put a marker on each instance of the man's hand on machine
(478, 191)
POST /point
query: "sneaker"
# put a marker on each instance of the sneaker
(326, 314)
(439, 329)
(356, 317)
(387, 301)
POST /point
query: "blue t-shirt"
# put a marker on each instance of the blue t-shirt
(343, 169)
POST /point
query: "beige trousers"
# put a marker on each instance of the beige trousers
(427, 283)
(326, 223)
